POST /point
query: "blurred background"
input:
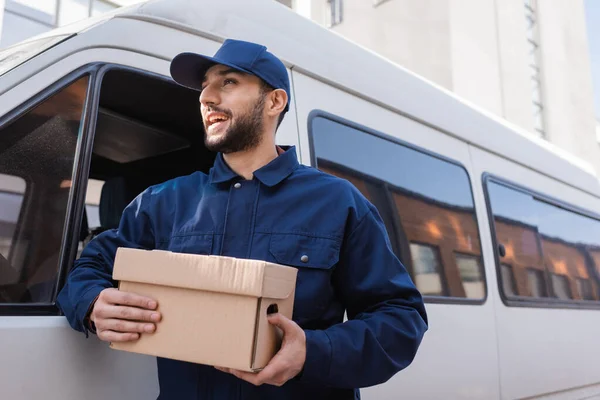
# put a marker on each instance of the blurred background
(533, 63)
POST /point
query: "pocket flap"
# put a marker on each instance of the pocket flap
(304, 251)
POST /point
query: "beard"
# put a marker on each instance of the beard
(244, 133)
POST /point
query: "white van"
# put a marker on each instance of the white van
(500, 230)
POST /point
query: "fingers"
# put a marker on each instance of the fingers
(291, 330)
(280, 321)
(122, 326)
(127, 313)
(112, 336)
(288, 361)
(115, 296)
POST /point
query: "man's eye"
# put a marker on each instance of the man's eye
(228, 81)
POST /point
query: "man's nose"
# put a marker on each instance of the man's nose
(209, 96)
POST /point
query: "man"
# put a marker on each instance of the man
(258, 202)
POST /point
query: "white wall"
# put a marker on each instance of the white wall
(414, 34)
(1, 17)
(514, 63)
(479, 50)
(475, 63)
(567, 78)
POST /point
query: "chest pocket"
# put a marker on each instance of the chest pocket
(315, 259)
(201, 243)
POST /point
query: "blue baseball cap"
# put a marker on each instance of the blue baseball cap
(188, 69)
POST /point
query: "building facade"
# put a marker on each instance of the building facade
(22, 19)
(524, 60)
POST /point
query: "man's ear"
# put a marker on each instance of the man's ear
(277, 101)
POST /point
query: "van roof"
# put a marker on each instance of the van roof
(296, 40)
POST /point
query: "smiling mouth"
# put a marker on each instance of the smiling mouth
(214, 120)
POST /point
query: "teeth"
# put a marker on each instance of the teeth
(217, 119)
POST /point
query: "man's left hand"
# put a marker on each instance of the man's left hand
(287, 363)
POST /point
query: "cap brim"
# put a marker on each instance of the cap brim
(188, 69)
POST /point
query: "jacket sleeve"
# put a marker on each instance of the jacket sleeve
(92, 272)
(386, 314)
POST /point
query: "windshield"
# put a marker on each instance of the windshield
(19, 53)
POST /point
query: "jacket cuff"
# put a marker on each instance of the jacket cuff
(318, 357)
(84, 308)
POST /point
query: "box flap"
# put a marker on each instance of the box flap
(211, 273)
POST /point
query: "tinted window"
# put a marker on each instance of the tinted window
(36, 163)
(470, 268)
(427, 269)
(536, 282)
(425, 202)
(553, 252)
(509, 285)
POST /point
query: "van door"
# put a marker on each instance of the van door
(43, 134)
(421, 182)
(75, 121)
(547, 286)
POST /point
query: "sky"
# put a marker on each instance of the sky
(593, 26)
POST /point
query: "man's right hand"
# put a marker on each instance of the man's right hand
(121, 316)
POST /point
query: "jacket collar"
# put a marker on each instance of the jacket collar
(269, 175)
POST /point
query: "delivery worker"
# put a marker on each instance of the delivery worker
(258, 202)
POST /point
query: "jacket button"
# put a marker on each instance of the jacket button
(304, 258)
(237, 185)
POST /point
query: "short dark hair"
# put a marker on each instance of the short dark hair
(264, 89)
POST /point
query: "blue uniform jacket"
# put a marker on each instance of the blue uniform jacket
(285, 212)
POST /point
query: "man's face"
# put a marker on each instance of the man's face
(232, 106)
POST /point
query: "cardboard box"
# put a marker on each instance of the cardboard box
(214, 309)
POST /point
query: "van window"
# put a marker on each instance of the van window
(37, 152)
(92, 202)
(552, 251)
(426, 204)
(12, 189)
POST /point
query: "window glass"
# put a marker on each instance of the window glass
(426, 269)
(584, 287)
(12, 189)
(536, 282)
(470, 268)
(425, 202)
(552, 250)
(37, 152)
(91, 219)
(509, 285)
(561, 287)
(92, 202)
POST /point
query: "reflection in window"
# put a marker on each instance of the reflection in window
(39, 149)
(432, 205)
(541, 239)
(92, 202)
(470, 269)
(426, 269)
(560, 284)
(584, 287)
(536, 282)
(509, 285)
(12, 189)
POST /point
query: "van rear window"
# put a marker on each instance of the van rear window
(425, 201)
(546, 251)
